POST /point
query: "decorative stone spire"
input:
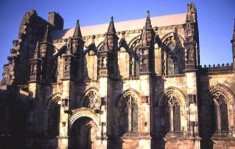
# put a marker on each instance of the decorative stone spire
(37, 51)
(76, 41)
(191, 13)
(191, 34)
(191, 7)
(45, 61)
(47, 47)
(111, 38)
(108, 55)
(111, 29)
(77, 32)
(46, 36)
(148, 32)
(148, 25)
(74, 58)
(147, 49)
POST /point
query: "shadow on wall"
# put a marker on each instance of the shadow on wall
(158, 144)
(13, 119)
(207, 144)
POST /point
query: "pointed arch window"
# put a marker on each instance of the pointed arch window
(175, 59)
(91, 100)
(54, 117)
(135, 64)
(91, 61)
(134, 52)
(128, 115)
(171, 112)
(221, 112)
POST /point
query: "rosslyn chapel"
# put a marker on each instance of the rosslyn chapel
(135, 84)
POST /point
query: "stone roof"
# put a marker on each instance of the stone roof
(159, 21)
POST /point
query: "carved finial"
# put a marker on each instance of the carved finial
(194, 9)
(77, 21)
(148, 25)
(123, 34)
(111, 28)
(191, 8)
(188, 7)
(148, 13)
(93, 38)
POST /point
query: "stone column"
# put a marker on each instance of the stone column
(191, 85)
(146, 95)
(101, 142)
(63, 137)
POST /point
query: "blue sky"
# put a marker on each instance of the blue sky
(215, 17)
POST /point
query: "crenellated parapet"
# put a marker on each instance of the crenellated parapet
(219, 68)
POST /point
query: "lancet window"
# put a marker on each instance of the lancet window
(171, 113)
(220, 112)
(175, 59)
(128, 115)
(135, 64)
(53, 117)
(134, 52)
(174, 54)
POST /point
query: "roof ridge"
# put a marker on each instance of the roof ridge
(159, 21)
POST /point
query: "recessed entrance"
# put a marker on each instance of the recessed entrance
(83, 134)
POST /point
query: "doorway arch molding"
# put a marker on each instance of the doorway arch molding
(83, 112)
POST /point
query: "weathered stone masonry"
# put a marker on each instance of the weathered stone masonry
(135, 84)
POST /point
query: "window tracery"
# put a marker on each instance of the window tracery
(221, 112)
(92, 100)
(173, 55)
(171, 115)
(175, 59)
(128, 115)
(135, 57)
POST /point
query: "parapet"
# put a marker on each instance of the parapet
(217, 68)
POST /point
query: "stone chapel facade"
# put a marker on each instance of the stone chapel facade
(136, 84)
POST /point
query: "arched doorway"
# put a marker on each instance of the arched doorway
(83, 134)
